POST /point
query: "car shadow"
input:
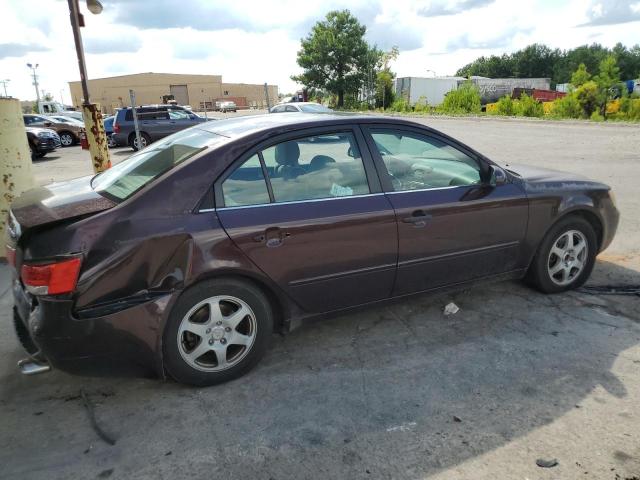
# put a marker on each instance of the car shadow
(397, 391)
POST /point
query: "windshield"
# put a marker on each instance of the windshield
(127, 177)
(315, 108)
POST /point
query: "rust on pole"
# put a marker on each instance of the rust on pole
(96, 137)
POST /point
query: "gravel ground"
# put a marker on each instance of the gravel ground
(393, 392)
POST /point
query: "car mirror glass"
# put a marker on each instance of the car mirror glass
(498, 176)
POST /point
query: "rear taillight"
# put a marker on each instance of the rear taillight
(116, 127)
(51, 278)
(11, 256)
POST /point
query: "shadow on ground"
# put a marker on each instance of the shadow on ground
(397, 392)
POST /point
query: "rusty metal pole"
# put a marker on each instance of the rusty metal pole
(15, 160)
(96, 136)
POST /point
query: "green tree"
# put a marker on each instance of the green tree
(540, 61)
(607, 79)
(335, 56)
(580, 76)
(589, 97)
(384, 94)
(384, 89)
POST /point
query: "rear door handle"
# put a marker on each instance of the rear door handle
(273, 236)
(419, 218)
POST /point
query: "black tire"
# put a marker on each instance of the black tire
(23, 336)
(539, 276)
(67, 139)
(146, 140)
(178, 368)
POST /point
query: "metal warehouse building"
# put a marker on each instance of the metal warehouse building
(195, 90)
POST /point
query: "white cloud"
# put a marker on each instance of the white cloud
(257, 41)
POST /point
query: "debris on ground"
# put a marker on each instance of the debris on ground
(546, 463)
(611, 289)
(457, 419)
(451, 309)
(94, 423)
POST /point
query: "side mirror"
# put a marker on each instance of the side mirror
(497, 176)
(47, 124)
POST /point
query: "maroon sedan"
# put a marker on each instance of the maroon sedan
(185, 258)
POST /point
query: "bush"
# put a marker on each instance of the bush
(528, 106)
(567, 107)
(504, 106)
(400, 105)
(466, 99)
(596, 117)
(421, 106)
(630, 108)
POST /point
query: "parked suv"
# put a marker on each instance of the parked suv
(41, 141)
(154, 121)
(69, 132)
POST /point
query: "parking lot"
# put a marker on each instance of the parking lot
(391, 392)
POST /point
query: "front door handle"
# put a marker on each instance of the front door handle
(419, 218)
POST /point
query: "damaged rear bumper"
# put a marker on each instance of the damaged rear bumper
(118, 341)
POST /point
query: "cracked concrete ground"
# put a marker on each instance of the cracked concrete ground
(397, 392)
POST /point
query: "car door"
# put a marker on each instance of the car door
(308, 210)
(155, 122)
(453, 225)
(179, 120)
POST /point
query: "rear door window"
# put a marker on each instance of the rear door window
(246, 185)
(322, 166)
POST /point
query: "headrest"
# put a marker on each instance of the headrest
(287, 153)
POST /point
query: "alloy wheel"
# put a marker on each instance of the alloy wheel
(66, 139)
(143, 141)
(217, 333)
(568, 257)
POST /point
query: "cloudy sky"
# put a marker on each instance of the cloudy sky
(256, 41)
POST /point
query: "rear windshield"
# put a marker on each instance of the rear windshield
(310, 108)
(127, 177)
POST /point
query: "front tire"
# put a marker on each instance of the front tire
(217, 331)
(565, 257)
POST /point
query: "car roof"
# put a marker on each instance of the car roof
(299, 103)
(241, 126)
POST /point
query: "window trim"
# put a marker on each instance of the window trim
(383, 173)
(371, 174)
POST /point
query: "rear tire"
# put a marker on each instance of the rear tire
(133, 141)
(565, 257)
(67, 139)
(217, 331)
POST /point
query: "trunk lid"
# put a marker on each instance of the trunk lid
(57, 202)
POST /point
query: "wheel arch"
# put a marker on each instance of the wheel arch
(281, 311)
(588, 215)
(577, 212)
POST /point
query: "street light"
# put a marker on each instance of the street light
(94, 7)
(434, 73)
(96, 137)
(35, 82)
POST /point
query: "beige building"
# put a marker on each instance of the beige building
(195, 90)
